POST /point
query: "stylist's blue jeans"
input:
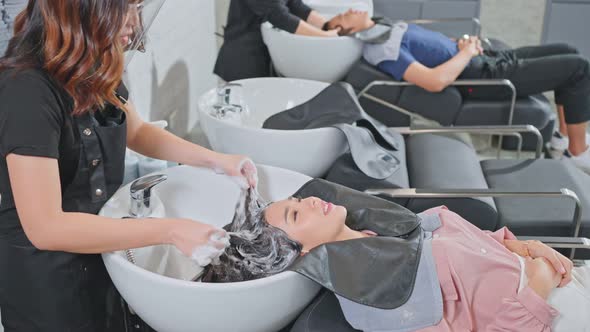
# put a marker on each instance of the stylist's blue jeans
(537, 69)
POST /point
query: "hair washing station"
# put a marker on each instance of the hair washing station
(465, 102)
(232, 117)
(434, 170)
(156, 281)
(292, 54)
(332, 57)
(158, 286)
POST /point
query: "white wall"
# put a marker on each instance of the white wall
(166, 81)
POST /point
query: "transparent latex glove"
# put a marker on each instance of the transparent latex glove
(210, 252)
(241, 169)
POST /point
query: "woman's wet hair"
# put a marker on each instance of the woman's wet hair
(257, 249)
(77, 42)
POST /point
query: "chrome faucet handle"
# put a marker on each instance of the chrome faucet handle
(224, 92)
(141, 192)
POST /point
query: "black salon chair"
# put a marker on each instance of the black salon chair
(461, 104)
(465, 103)
(526, 195)
(528, 198)
(434, 169)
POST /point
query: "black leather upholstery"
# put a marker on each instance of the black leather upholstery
(440, 162)
(435, 161)
(323, 315)
(452, 106)
(538, 216)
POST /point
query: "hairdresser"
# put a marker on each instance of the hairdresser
(65, 121)
(243, 54)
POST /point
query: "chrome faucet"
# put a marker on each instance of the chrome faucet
(224, 103)
(141, 192)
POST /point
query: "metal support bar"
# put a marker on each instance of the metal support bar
(560, 242)
(514, 130)
(572, 243)
(469, 193)
(474, 20)
(478, 82)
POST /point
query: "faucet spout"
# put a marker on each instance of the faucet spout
(228, 100)
(141, 192)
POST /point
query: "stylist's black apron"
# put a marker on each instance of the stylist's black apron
(66, 292)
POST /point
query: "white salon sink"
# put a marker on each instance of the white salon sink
(310, 152)
(171, 304)
(326, 59)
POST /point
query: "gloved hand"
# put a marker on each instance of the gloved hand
(240, 168)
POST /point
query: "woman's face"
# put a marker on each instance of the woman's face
(351, 21)
(132, 22)
(309, 221)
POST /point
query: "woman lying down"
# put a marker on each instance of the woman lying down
(394, 271)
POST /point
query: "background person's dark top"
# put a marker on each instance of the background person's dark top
(243, 54)
(36, 120)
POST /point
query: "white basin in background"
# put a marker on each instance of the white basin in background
(310, 152)
(174, 305)
(331, 8)
(326, 59)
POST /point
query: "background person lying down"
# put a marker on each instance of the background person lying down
(490, 281)
(433, 61)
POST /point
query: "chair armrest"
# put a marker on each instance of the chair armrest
(560, 242)
(467, 193)
(474, 20)
(556, 242)
(513, 130)
(470, 82)
(473, 82)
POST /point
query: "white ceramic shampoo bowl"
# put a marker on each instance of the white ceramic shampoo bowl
(310, 152)
(326, 59)
(174, 305)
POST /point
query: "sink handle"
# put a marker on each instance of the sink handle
(224, 92)
(141, 191)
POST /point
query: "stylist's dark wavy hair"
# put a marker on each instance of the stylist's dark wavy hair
(259, 251)
(77, 43)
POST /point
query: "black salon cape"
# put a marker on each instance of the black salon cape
(378, 271)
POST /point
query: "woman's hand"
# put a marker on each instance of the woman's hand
(239, 167)
(333, 32)
(203, 243)
(542, 277)
(560, 263)
(471, 45)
